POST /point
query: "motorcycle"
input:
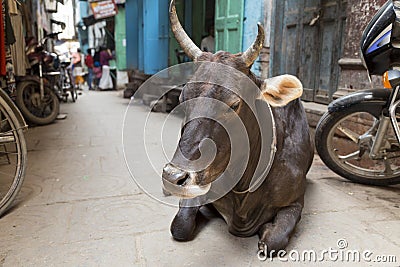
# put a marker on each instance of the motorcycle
(35, 94)
(359, 136)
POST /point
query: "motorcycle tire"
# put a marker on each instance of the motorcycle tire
(36, 110)
(328, 132)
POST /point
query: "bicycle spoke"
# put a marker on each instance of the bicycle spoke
(7, 139)
(11, 131)
(8, 153)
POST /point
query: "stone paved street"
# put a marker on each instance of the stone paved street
(80, 207)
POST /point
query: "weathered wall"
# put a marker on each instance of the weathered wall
(265, 53)
(359, 13)
(353, 76)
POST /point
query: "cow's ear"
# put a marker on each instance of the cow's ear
(280, 90)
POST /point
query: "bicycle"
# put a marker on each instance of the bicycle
(13, 152)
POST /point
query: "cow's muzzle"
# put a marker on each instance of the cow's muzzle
(182, 183)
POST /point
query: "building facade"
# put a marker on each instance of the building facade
(316, 40)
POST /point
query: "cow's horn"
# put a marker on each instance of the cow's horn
(183, 39)
(254, 50)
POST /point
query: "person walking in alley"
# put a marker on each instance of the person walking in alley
(89, 64)
(76, 59)
(96, 74)
(76, 62)
(106, 80)
(105, 57)
(78, 68)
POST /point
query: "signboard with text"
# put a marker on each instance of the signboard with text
(103, 9)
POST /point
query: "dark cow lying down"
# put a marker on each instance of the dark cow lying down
(273, 210)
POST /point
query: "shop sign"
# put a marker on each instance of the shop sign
(103, 9)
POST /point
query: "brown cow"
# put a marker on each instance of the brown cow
(273, 210)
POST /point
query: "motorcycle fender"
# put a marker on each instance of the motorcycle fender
(33, 78)
(30, 78)
(375, 100)
(20, 118)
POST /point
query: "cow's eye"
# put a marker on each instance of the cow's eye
(235, 106)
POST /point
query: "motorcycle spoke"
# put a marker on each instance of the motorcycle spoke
(41, 113)
(47, 102)
(349, 133)
(355, 155)
(44, 108)
(32, 91)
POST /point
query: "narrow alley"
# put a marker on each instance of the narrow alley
(79, 206)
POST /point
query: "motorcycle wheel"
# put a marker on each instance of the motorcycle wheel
(36, 110)
(343, 140)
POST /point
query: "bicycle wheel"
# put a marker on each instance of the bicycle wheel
(13, 156)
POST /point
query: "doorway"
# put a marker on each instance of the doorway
(195, 16)
(307, 42)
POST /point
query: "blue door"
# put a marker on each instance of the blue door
(147, 35)
(155, 35)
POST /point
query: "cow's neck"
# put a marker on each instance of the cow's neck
(243, 186)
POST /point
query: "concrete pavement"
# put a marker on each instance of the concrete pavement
(80, 207)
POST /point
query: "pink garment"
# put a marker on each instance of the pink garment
(97, 72)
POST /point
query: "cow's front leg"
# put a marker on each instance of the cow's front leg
(275, 236)
(184, 223)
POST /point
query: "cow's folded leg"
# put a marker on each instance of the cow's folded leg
(184, 223)
(275, 236)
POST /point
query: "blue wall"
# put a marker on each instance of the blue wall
(83, 34)
(254, 13)
(132, 34)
